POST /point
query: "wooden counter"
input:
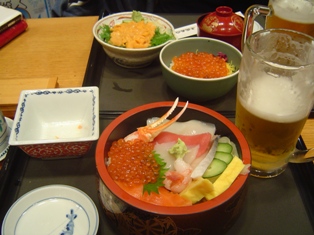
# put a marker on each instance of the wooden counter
(308, 133)
(51, 48)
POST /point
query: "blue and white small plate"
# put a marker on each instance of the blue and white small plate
(54, 210)
(3, 153)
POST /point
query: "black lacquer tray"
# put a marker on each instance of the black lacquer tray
(282, 205)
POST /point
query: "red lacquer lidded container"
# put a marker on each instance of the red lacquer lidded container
(223, 24)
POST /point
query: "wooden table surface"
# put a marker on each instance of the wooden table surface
(60, 47)
(308, 133)
(49, 48)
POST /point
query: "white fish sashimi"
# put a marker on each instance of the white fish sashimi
(169, 159)
(162, 149)
(188, 128)
(202, 166)
(181, 166)
(190, 156)
(192, 127)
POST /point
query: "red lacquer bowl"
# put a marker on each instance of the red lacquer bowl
(223, 24)
(129, 214)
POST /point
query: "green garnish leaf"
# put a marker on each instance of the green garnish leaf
(160, 38)
(137, 16)
(105, 33)
(153, 187)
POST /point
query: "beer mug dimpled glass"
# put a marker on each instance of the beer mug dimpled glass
(275, 95)
(288, 14)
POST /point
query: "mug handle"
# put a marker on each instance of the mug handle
(250, 14)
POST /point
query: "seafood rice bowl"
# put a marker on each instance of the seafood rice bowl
(172, 167)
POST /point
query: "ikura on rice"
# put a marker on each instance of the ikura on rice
(174, 163)
(202, 65)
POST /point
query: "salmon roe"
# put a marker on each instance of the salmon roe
(132, 162)
(200, 65)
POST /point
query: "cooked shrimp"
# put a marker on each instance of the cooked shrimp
(176, 182)
(178, 179)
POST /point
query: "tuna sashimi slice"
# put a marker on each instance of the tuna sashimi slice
(201, 140)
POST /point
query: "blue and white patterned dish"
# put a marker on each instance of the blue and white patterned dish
(56, 123)
(52, 115)
(53, 210)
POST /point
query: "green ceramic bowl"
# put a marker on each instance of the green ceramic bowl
(199, 89)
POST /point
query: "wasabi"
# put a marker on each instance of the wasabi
(179, 149)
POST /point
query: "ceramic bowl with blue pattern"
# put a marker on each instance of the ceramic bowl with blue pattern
(52, 209)
(56, 123)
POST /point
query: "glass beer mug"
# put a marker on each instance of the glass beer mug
(275, 95)
(291, 14)
(288, 14)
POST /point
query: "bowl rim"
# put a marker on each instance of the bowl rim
(127, 13)
(193, 78)
(185, 210)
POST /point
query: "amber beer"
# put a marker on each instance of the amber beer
(270, 129)
(270, 142)
(297, 15)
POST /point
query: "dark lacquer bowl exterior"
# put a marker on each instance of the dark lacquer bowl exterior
(129, 214)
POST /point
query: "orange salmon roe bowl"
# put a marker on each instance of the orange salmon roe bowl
(130, 214)
(193, 88)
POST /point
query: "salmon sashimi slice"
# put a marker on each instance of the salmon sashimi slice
(164, 198)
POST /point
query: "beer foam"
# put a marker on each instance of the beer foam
(300, 11)
(275, 99)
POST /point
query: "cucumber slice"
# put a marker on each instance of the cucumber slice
(224, 147)
(225, 157)
(215, 168)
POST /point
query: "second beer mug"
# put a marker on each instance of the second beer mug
(288, 14)
(294, 14)
(275, 95)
